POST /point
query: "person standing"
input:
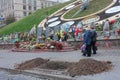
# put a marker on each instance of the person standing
(65, 36)
(106, 29)
(73, 32)
(58, 35)
(51, 34)
(87, 42)
(93, 39)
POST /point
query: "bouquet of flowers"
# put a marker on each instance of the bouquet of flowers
(17, 44)
(118, 31)
(39, 46)
(55, 45)
(59, 46)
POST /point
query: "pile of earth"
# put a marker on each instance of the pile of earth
(83, 67)
(89, 67)
(56, 65)
(44, 64)
(31, 64)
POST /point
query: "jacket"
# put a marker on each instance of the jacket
(87, 37)
(93, 35)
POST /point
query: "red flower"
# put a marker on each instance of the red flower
(57, 45)
(17, 44)
(118, 31)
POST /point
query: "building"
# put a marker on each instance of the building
(22, 8)
(47, 3)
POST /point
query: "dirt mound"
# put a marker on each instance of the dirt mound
(31, 63)
(42, 63)
(83, 67)
(89, 66)
(56, 65)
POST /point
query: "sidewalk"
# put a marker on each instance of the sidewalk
(8, 59)
(73, 56)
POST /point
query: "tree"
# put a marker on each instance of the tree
(9, 19)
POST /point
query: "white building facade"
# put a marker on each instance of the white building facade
(22, 8)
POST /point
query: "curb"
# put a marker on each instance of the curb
(40, 75)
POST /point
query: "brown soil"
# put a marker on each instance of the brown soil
(89, 67)
(31, 64)
(56, 65)
(83, 67)
(42, 63)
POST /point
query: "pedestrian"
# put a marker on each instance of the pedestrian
(106, 28)
(65, 36)
(73, 32)
(58, 35)
(87, 41)
(51, 34)
(93, 39)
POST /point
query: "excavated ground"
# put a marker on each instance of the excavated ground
(83, 67)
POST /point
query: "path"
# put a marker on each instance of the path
(8, 59)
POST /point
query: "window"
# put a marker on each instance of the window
(34, 2)
(30, 8)
(24, 7)
(42, 6)
(34, 8)
(24, 1)
(24, 13)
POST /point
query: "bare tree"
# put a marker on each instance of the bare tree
(9, 19)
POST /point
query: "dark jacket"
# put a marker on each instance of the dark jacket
(87, 37)
(93, 35)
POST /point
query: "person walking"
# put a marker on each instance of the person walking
(93, 39)
(73, 32)
(87, 42)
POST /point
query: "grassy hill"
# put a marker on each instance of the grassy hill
(94, 6)
(27, 23)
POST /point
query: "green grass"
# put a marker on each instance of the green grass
(27, 23)
(94, 6)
